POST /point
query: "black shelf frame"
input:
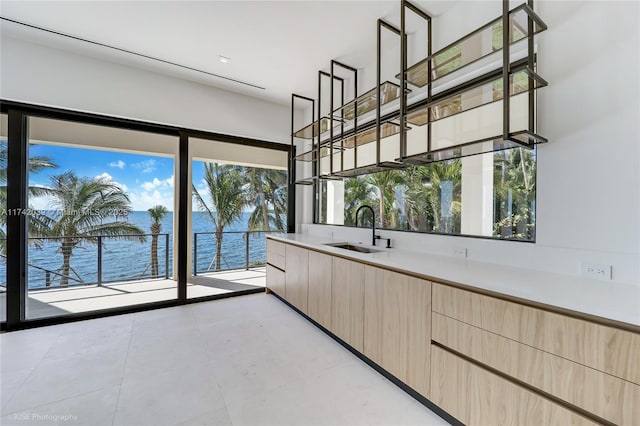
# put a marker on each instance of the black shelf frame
(533, 18)
(526, 138)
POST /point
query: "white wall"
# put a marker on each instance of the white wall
(589, 173)
(38, 74)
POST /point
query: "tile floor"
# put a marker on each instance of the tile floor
(248, 360)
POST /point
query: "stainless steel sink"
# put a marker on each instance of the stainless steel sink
(349, 246)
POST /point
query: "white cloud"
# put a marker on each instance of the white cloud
(107, 178)
(118, 164)
(146, 166)
(154, 192)
(158, 184)
(145, 200)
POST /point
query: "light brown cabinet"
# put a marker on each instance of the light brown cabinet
(476, 396)
(493, 360)
(276, 280)
(347, 301)
(320, 277)
(610, 350)
(602, 394)
(297, 276)
(397, 325)
(276, 252)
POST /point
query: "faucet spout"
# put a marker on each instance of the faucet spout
(373, 221)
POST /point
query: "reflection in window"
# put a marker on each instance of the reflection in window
(430, 198)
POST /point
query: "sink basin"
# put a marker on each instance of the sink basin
(349, 246)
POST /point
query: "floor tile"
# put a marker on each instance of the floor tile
(169, 398)
(248, 360)
(94, 408)
(53, 381)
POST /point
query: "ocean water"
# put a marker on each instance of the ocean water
(131, 259)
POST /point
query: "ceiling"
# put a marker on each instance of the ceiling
(277, 45)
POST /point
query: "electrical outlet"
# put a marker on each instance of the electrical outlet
(460, 252)
(594, 270)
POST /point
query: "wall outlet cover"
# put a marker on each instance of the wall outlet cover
(596, 270)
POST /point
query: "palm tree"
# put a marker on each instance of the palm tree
(35, 165)
(83, 211)
(356, 193)
(386, 183)
(514, 182)
(226, 187)
(267, 193)
(157, 213)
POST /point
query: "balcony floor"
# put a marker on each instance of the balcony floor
(61, 301)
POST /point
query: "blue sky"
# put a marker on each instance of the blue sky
(147, 179)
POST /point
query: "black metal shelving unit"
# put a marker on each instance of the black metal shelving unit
(452, 88)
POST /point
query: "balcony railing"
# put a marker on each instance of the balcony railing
(101, 260)
(121, 255)
(240, 250)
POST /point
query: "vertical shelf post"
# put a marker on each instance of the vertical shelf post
(506, 110)
(386, 25)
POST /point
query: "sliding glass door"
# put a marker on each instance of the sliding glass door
(239, 196)
(102, 216)
(99, 218)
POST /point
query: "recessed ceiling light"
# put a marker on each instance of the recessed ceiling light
(224, 59)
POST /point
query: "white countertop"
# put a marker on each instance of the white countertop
(607, 299)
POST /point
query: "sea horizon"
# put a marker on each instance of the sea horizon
(124, 260)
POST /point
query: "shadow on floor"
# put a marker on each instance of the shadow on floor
(223, 284)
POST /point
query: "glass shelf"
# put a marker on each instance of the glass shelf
(367, 101)
(373, 168)
(311, 131)
(520, 139)
(312, 154)
(476, 96)
(369, 135)
(305, 181)
(474, 46)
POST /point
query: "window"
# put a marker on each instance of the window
(489, 195)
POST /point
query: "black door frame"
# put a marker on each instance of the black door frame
(17, 201)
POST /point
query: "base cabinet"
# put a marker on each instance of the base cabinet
(297, 276)
(347, 301)
(319, 299)
(276, 280)
(483, 359)
(476, 396)
(397, 325)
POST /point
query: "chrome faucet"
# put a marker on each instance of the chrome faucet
(373, 222)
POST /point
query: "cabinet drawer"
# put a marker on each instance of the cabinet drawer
(599, 393)
(276, 280)
(276, 253)
(607, 349)
(476, 396)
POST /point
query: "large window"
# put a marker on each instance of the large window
(489, 195)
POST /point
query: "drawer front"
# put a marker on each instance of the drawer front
(599, 393)
(276, 253)
(476, 396)
(607, 349)
(276, 280)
